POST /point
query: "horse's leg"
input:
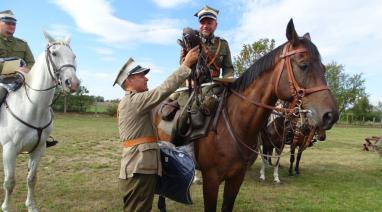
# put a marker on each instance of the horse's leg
(231, 189)
(9, 161)
(297, 167)
(197, 179)
(276, 168)
(291, 160)
(211, 184)
(262, 170)
(162, 204)
(34, 160)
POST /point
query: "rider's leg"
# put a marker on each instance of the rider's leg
(3, 94)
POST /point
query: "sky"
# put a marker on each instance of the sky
(105, 33)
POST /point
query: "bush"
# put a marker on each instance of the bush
(112, 109)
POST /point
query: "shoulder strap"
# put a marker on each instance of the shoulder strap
(216, 53)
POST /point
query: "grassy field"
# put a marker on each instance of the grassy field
(80, 174)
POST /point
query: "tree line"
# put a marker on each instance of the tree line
(349, 90)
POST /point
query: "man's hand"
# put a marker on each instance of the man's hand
(191, 57)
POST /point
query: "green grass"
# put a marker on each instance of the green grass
(80, 174)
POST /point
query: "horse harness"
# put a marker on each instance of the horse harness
(293, 111)
(54, 75)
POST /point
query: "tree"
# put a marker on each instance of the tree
(251, 53)
(80, 101)
(346, 89)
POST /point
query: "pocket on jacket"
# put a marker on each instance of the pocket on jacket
(148, 157)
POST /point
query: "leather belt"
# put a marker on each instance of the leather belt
(141, 140)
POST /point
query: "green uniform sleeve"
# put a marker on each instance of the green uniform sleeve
(227, 67)
(29, 59)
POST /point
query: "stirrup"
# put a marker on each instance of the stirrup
(50, 143)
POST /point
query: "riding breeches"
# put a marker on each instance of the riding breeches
(138, 192)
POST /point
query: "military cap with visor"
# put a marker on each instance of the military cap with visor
(207, 12)
(128, 69)
(7, 16)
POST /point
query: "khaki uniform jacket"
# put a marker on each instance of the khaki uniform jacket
(15, 47)
(134, 120)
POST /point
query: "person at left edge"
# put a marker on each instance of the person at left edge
(140, 163)
(13, 47)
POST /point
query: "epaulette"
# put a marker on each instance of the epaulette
(19, 39)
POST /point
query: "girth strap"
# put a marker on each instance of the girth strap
(38, 129)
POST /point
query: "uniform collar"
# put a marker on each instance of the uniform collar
(130, 92)
(210, 40)
(5, 38)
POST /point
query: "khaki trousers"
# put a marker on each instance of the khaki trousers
(138, 192)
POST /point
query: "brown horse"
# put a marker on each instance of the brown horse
(302, 142)
(281, 132)
(292, 72)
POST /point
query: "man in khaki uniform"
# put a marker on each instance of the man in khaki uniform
(140, 163)
(12, 47)
(216, 48)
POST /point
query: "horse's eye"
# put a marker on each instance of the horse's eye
(54, 53)
(303, 66)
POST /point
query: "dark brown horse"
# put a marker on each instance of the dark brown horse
(292, 72)
(303, 141)
(280, 132)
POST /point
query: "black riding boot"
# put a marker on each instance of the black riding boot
(3, 94)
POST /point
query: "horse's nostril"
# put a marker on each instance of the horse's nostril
(329, 119)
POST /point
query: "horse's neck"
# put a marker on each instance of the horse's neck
(39, 78)
(248, 117)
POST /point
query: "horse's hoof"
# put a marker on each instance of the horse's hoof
(261, 179)
(277, 181)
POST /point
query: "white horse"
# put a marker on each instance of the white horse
(26, 115)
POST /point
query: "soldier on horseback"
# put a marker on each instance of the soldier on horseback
(16, 58)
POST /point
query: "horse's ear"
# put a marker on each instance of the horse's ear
(67, 39)
(48, 37)
(307, 36)
(291, 33)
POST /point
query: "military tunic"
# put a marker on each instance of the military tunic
(15, 47)
(135, 121)
(222, 60)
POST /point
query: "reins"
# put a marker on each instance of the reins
(54, 74)
(297, 93)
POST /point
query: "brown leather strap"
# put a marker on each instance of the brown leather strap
(141, 140)
(212, 61)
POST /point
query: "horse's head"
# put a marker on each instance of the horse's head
(61, 63)
(301, 81)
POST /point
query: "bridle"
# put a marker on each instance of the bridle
(294, 109)
(54, 72)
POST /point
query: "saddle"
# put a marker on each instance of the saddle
(185, 119)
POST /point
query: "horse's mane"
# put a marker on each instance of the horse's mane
(267, 62)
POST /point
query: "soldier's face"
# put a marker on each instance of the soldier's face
(207, 26)
(7, 29)
(138, 82)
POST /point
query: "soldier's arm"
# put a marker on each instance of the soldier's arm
(227, 67)
(29, 59)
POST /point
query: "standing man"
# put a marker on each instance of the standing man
(217, 49)
(140, 163)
